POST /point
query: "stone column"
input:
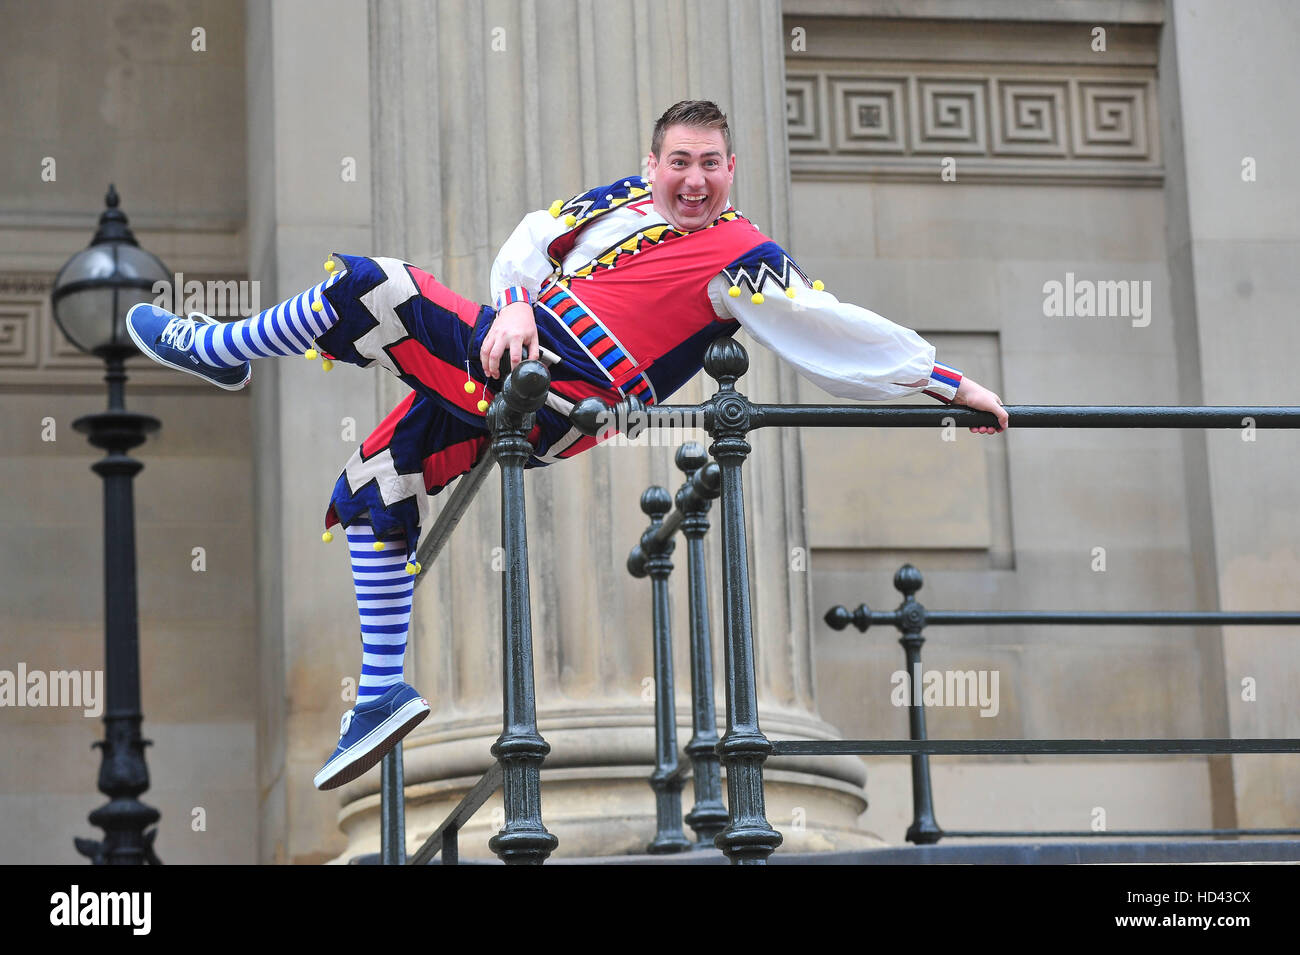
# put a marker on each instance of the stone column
(308, 120)
(482, 112)
(1233, 241)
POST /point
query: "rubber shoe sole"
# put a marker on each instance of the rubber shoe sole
(353, 764)
(148, 353)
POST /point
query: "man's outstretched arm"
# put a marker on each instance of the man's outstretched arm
(845, 349)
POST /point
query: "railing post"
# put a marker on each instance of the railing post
(392, 809)
(654, 559)
(520, 749)
(451, 846)
(924, 830)
(709, 816)
(748, 839)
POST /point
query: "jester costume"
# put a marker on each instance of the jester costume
(624, 305)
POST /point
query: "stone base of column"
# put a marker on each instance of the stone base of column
(596, 796)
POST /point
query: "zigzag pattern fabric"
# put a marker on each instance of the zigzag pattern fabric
(384, 592)
(285, 329)
(763, 262)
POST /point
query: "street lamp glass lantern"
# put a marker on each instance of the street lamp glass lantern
(97, 287)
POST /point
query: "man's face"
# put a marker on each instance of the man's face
(692, 177)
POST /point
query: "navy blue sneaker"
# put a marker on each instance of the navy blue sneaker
(369, 730)
(169, 339)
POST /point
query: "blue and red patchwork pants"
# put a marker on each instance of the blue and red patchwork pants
(399, 317)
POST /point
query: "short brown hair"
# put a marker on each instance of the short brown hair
(697, 113)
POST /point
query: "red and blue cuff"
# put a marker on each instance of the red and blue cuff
(944, 382)
(511, 294)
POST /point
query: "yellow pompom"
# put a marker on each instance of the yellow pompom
(482, 404)
(316, 306)
(310, 354)
(818, 284)
(379, 545)
(326, 364)
(734, 291)
(570, 219)
(327, 537)
(556, 206)
(329, 265)
(469, 387)
(789, 293)
(413, 568)
(757, 298)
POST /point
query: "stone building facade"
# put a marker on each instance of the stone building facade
(941, 163)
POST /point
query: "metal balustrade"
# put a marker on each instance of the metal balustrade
(911, 618)
(746, 838)
(651, 558)
(520, 749)
(729, 416)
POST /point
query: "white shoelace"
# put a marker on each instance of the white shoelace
(179, 333)
(345, 723)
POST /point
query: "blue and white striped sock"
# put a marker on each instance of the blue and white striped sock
(384, 590)
(285, 329)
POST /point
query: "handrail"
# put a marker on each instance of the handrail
(701, 487)
(444, 838)
(466, 489)
(1030, 416)
(1029, 747)
(590, 415)
(1109, 833)
(863, 617)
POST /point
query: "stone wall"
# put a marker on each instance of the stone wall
(118, 92)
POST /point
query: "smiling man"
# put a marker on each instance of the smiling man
(619, 290)
(847, 350)
(693, 181)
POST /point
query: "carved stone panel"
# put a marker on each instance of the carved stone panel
(1029, 119)
(950, 116)
(870, 114)
(34, 352)
(1013, 123)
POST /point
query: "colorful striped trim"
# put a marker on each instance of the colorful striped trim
(511, 294)
(943, 378)
(597, 341)
(590, 205)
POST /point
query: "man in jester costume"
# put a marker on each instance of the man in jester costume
(618, 291)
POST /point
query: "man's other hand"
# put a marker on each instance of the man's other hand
(978, 398)
(513, 330)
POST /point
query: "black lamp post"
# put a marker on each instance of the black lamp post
(91, 296)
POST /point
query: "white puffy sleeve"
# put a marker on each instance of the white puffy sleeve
(522, 264)
(840, 347)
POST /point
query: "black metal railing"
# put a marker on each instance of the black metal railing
(911, 618)
(650, 558)
(520, 749)
(729, 416)
(392, 785)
